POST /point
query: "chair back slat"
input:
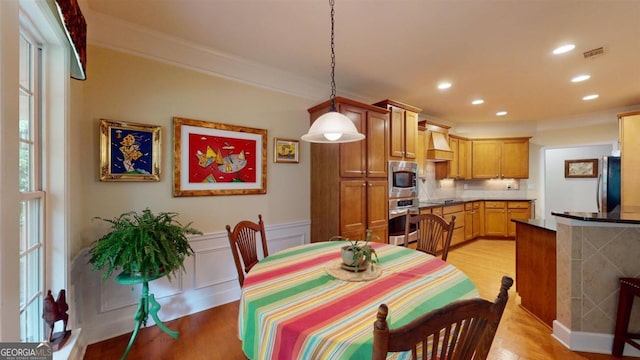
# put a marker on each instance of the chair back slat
(244, 247)
(460, 330)
(434, 233)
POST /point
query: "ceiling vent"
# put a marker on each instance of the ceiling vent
(593, 53)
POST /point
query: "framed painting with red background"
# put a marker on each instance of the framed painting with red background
(218, 159)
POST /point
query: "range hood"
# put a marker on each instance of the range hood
(438, 147)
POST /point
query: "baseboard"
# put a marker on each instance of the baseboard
(588, 342)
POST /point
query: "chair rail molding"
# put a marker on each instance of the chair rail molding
(105, 309)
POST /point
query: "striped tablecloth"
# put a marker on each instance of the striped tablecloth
(291, 308)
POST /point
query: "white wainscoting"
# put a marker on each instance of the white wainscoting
(105, 309)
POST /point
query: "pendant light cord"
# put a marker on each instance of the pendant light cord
(333, 62)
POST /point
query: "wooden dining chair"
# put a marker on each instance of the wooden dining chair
(460, 330)
(244, 245)
(433, 232)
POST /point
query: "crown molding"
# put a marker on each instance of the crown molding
(115, 34)
(112, 33)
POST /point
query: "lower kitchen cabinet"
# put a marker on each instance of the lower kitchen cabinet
(473, 219)
(487, 219)
(448, 212)
(498, 216)
(495, 218)
(520, 210)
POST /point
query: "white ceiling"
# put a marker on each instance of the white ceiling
(497, 50)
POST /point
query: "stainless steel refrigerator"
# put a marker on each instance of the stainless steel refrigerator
(609, 185)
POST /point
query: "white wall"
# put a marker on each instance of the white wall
(570, 194)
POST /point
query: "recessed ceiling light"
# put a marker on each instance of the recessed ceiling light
(444, 85)
(501, 113)
(477, 102)
(590, 97)
(564, 49)
(580, 78)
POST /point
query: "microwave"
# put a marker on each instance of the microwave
(403, 177)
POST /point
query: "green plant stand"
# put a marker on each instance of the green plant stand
(147, 305)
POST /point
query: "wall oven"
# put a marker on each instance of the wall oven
(403, 199)
(403, 177)
(399, 209)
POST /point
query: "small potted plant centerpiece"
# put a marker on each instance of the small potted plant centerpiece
(357, 254)
(143, 244)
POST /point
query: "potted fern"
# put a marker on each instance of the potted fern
(357, 254)
(142, 244)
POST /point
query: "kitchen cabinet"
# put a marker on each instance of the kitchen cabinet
(629, 127)
(364, 207)
(448, 212)
(349, 181)
(472, 220)
(460, 166)
(367, 157)
(517, 210)
(498, 216)
(403, 129)
(495, 217)
(500, 158)
(420, 153)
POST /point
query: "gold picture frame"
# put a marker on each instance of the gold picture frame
(129, 151)
(286, 151)
(583, 168)
(218, 159)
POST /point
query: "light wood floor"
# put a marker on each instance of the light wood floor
(211, 334)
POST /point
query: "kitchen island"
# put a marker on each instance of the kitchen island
(593, 250)
(536, 267)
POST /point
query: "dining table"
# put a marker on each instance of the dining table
(300, 304)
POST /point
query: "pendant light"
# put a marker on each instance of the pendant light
(332, 127)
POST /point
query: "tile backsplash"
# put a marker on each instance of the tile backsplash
(429, 188)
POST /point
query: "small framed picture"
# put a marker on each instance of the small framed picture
(129, 151)
(286, 150)
(585, 168)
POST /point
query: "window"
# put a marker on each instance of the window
(32, 196)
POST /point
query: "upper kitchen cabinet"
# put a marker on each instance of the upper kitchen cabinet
(629, 160)
(403, 129)
(366, 158)
(500, 158)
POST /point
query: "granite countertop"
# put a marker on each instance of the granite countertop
(456, 201)
(547, 224)
(611, 217)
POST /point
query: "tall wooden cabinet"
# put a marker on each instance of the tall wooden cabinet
(629, 160)
(403, 129)
(349, 181)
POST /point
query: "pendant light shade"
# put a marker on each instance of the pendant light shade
(332, 127)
